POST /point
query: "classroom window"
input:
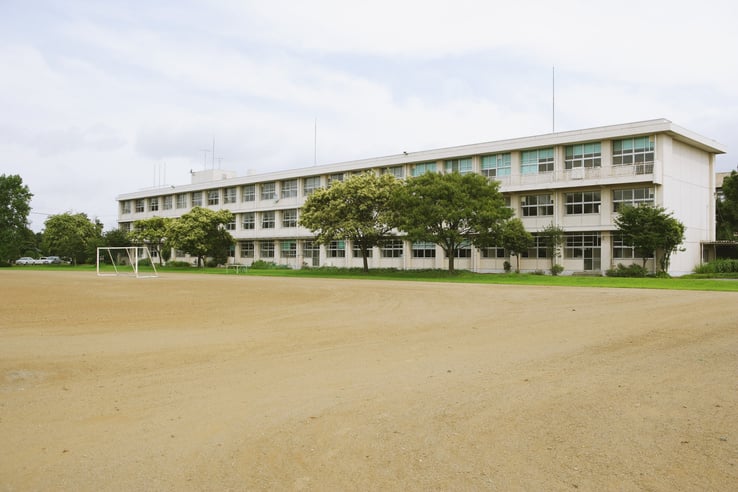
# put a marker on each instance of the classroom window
(167, 202)
(231, 226)
(583, 155)
(538, 249)
(182, 200)
(422, 168)
(248, 193)
(493, 252)
(464, 250)
(196, 199)
(140, 206)
(583, 202)
(396, 171)
(356, 251)
(632, 197)
(268, 191)
(336, 249)
(288, 248)
(424, 249)
(248, 220)
(289, 188)
(213, 197)
(309, 185)
(496, 165)
(125, 207)
(576, 242)
(537, 161)
(537, 205)
(461, 166)
(154, 204)
(637, 152)
(229, 195)
(392, 248)
(335, 178)
(266, 249)
(268, 220)
(247, 249)
(289, 218)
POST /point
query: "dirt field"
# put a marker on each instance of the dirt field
(194, 382)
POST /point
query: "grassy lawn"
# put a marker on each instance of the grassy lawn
(688, 282)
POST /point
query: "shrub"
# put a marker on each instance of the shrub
(178, 264)
(268, 265)
(632, 270)
(718, 266)
(507, 266)
(556, 269)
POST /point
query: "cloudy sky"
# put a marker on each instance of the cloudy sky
(103, 98)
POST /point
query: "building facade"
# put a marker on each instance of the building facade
(576, 180)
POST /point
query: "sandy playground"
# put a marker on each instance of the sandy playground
(202, 382)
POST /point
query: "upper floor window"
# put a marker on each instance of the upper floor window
(213, 197)
(125, 207)
(332, 178)
(182, 200)
(267, 220)
(583, 202)
(230, 195)
(537, 205)
(248, 193)
(583, 155)
(248, 221)
(168, 202)
(496, 165)
(461, 166)
(425, 167)
(289, 218)
(396, 171)
(154, 204)
(268, 191)
(231, 226)
(309, 185)
(638, 151)
(196, 198)
(139, 206)
(537, 161)
(634, 197)
(289, 188)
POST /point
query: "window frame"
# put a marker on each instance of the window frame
(585, 155)
(502, 165)
(532, 206)
(537, 161)
(584, 201)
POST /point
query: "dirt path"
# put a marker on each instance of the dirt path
(194, 382)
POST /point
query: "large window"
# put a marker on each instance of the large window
(583, 155)
(229, 195)
(266, 249)
(248, 193)
(154, 204)
(182, 200)
(231, 226)
(396, 171)
(537, 205)
(577, 242)
(493, 252)
(634, 197)
(464, 250)
(336, 177)
(140, 205)
(638, 152)
(267, 220)
(309, 185)
(496, 165)
(310, 249)
(423, 249)
(289, 188)
(461, 166)
(247, 249)
(268, 191)
(356, 251)
(538, 249)
(125, 207)
(288, 248)
(392, 248)
(168, 202)
(336, 249)
(621, 251)
(197, 198)
(537, 161)
(289, 218)
(213, 197)
(583, 202)
(426, 167)
(248, 220)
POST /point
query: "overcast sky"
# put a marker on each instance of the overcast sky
(103, 98)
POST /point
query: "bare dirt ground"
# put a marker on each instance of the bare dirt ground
(195, 382)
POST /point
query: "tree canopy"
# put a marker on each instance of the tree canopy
(72, 235)
(451, 210)
(151, 231)
(201, 232)
(727, 209)
(15, 205)
(515, 239)
(361, 209)
(650, 230)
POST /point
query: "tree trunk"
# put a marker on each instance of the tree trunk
(451, 256)
(364, 254)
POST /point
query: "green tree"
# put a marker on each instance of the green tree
(553, 237)
(15, 205)
(201, 232)
(361, 209)
(452, 209)
(152, 232)
(72, 235)
(515, 239)
(116, 238)
(727, 209)
(650, 230)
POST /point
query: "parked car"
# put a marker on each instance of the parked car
(44, 260)
(53, 260)
(26, 260)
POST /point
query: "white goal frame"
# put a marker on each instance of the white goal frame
(134, 254)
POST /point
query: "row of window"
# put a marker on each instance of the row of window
(577, 245)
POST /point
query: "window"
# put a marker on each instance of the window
(168, 202)
(356, 251)
(621, 251)
(288, 248)
(537, 205)
(461, 166)
(268, 220)
(332, 178)
(289, 218)
(396, 171)
(197, 199)
(289, 188)
(231, 226)
(310, 249)
(248, 193)
(229, 195)
(464, 250)
(392, 248)
(139, 205)
(537, 161)
(248, 220)
(638, 152)
(266, 249)
(182, 200)
(154, 204)
(576, 243)
(496, 165)
(583, 155)
(493, 252)
(583, 202)
(309, 185)
(336, 249)
(125, 207)
(634, 197)
(268, 191)
(426, 167)
(538, 249)
(423, 249)
(213, 197)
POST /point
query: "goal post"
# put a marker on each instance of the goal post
(125, 261)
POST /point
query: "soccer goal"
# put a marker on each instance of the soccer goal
(126, 261)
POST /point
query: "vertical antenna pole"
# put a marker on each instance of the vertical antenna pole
(553, 99)
(213, 165)
(315, 144)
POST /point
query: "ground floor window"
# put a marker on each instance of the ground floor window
(538, 249)
(464, 250)
(392, 248)
(336, 249)
(422, 249)
(289, 248)
(247, 249)
(493, 252)
(266, 249)
(621, 251)
(577, 243)
(356, 251)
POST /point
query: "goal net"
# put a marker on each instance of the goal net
(126, 261)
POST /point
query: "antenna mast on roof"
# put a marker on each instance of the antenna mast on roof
(315, 143)
(553, 99)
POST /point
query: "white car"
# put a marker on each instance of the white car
(26, 260)
(42, 261)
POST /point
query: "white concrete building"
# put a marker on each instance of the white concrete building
(574, 179)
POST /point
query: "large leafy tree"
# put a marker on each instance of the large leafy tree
(15, 205)
(151, 231)
(651, 230)
(361, 209)
(452, 209)
(201, 232)
(72, 235)
(727, 209)
(553, 237)
(515, 239)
